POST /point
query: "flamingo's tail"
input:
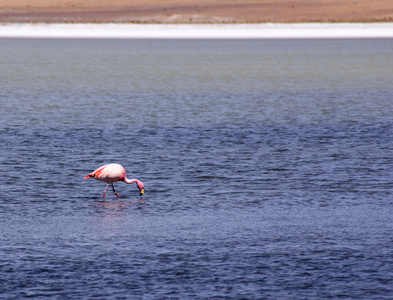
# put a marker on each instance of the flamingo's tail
(89, 176)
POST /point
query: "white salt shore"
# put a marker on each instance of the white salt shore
(184, 31)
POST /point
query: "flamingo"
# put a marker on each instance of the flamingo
(111, 173)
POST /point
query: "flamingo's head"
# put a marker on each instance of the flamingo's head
(141, 187)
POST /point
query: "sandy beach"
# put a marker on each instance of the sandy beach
(193, 11)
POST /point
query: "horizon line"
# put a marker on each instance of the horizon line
(197, 31)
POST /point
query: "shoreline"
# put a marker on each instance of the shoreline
(197, 31)
(195, 11)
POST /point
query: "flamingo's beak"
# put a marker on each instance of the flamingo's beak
(142, 191)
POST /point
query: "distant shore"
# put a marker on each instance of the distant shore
(194, 11)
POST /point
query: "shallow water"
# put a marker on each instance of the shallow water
(267, 167)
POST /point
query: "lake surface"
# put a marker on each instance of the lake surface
(267, 166)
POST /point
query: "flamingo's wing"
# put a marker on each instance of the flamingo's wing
(95, 173)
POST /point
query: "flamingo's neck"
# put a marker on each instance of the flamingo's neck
(126, 180)
(139, 183)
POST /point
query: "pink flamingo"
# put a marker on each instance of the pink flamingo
(111, 173)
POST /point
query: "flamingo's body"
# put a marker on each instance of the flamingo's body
(111, 173)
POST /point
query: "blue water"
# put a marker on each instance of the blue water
(267, 167)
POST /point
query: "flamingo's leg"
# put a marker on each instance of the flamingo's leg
(113, 189)
(103, 196)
